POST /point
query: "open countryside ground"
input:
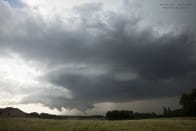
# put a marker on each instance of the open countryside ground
(176, 124)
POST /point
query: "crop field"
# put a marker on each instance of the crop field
(174, 124)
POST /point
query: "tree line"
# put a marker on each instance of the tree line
(128, 115)
(188, 102)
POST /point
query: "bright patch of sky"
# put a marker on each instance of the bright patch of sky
(16, 3)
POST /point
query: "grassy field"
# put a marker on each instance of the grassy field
(177, 124)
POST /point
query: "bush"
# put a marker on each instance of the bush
(119, 115)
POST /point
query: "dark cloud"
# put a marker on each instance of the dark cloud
(108, 44)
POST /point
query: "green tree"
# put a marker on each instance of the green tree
(169, 112)
(164, 111)
(188, 102)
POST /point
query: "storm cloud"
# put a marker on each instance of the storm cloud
(95, 55)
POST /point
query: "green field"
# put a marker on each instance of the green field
(175, 124)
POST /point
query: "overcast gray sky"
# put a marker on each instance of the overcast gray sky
(90, 56)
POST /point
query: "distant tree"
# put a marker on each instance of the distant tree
(138, 115)
(164, 111)
(8, 114)
(47, 116)
(177, 112)
(169, 112)
(188, 102)
(185, 101)
(193, 95)
(119, 115)
(33, 115)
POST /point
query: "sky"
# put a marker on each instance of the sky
(84, 57)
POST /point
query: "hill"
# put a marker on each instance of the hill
(11, 112)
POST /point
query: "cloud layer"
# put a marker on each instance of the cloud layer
(93, 54)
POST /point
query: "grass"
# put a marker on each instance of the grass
(174, 124)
